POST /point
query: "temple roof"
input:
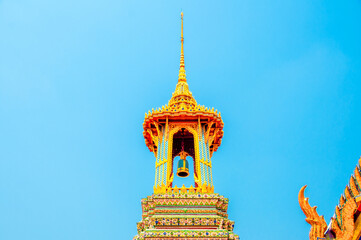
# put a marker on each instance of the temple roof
(345, 223)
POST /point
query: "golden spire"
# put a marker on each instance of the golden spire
(182, 70)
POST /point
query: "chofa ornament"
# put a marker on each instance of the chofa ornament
(346, 222)
(317, 222)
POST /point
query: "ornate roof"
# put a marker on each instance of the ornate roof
(182, 107)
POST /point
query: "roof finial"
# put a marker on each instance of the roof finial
(182, 71)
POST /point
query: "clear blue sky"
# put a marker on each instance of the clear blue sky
(76, 78)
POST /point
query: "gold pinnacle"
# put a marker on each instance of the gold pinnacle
(182, 71)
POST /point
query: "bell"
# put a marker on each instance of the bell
(183, 168)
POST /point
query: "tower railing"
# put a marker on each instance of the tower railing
(183, 190)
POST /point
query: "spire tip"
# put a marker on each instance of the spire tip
(182, 72)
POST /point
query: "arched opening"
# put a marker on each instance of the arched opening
(183, 148)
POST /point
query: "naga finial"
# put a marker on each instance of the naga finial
(317, 222)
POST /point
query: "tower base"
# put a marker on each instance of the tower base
(185, 216)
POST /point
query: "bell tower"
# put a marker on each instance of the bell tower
(183, 128)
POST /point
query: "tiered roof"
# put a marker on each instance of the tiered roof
(182, 107)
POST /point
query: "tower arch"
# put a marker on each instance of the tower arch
(191, 149)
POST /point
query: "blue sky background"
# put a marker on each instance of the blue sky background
(76, 78)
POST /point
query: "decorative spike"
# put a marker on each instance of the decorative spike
(182, 71)
(183, 189)
(204, 188)
(353, 187)
(357, 177)
(334, 224)
(163, 189)
(348, 193)
(158, 189)
(338, 214)
(342, 200)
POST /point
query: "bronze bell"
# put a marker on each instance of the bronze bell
(183, 168)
